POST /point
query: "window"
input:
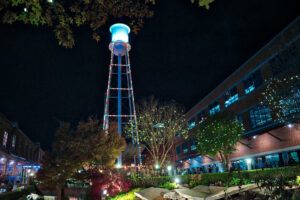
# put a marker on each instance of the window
(5, 137)
(192, 123)
(260, 115)
(287, 59)
(13, 143)
(185, 147)
(252, 82)
(231, 96)
(192, 144)
(240, 118)
(201, 116)
(214, 108)
(291, 105)
(178, 150)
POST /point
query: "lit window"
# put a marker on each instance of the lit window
(252, 82)
(193, 144)
(13, 143)
(260, 115)
(201, 116)
(178, 150)
(5, 139)
(214, 108)
(192, 123)
(291, 105)
(185, 147)
(231, 96)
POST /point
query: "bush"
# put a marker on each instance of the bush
(126, 196)
(168, 185)
(222, 179)
(18, 193)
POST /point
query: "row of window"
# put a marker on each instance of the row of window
(252, 82)
(5, 138)
(27, 150)
(184, 147)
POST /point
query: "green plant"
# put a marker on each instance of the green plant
(297, 181)
(18, 193)
(168, 185)
(126, 196)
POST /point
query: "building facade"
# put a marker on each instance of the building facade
(265, 143)
(19, 156)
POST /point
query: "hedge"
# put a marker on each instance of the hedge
(17, 193)
(211, 178)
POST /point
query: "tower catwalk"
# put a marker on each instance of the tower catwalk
(119, 102)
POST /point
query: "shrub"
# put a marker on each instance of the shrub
(168, 185)
(113, 183)
(18, 193)
(126, 196)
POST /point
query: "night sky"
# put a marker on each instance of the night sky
(182, 53)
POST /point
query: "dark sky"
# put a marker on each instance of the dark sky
(182, 53)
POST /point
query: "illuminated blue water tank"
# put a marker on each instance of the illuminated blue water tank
(119, 32)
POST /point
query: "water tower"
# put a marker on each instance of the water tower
(119, 102)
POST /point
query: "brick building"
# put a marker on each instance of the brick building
(19, 156)
(265, 143)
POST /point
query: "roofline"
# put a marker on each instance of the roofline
(245, 63)
(16, 127)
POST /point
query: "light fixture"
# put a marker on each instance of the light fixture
(176, 180)
(104, 192)
(118, 166)
(169, 168)
(25, 9)
(156, 166)
(290, 125)
(248, 160)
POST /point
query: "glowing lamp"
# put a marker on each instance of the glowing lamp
(290, 125)
(248, 161)
(119, 32)
(104, 192)
(176, 180)
(156, 166)
(169, 168)
(118, 166)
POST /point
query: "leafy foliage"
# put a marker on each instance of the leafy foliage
(87, 147)
(168, 185)
(158, 124)
(64, 16)
(219, 135)
(111, 181)
(127, 196)
(203, 3)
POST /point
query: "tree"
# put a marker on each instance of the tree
(158, 124)
(218, 135)
(205, 3)
(282, 96)
(87, 148)
(63, 16)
